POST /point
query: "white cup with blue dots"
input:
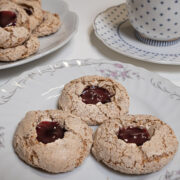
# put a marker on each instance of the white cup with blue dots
(157, 22)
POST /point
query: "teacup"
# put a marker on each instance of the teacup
(157, 20)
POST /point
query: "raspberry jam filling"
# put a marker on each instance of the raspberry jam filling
(28, 9)
(95, 94)
(7, 18)
(48, 132)
(134, 135)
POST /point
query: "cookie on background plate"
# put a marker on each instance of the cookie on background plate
(33, 10)
(14, 25)
(52, 140)
(39, 1)
(28, 48)
(95, 99)
(50, 24)
(135, 144)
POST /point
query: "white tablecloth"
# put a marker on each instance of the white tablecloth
(86, 45)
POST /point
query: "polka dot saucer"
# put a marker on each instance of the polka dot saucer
(112, 27)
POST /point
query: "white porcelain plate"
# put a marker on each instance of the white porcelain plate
(55, 41)
(112, 27)
(40, 88)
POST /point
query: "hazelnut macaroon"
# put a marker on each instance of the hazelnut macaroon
(95, 99)
(135, 144)
(14, 25)
(33, 10)
(49, 25)
(52, 140)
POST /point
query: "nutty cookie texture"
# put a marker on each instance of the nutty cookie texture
(95, 99)
(14, 25)
(52, 140)
(33, 10)
(50, 24)
(28, 48)
(147, 147)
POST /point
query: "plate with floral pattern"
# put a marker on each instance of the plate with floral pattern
(112, 27)
(39, 89)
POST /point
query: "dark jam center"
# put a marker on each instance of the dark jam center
(48, 132)
(134, 135)
(7, 18)
(95, 94)
(28, 9)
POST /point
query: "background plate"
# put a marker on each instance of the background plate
(55, 41)
(40, 88)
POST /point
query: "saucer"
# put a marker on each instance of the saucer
(112, 27)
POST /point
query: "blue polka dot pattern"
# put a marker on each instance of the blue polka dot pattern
(154, 42)
(113, 32)
(155, 16)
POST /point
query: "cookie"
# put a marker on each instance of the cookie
(52, 140)
(33, 10)
(135, 144)
(49, 25)
(14, 25)
(95, 99)
(39, 1)
(30, 47)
